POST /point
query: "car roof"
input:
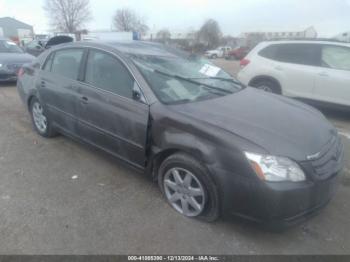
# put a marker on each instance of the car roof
(131, 47)
(327, 42)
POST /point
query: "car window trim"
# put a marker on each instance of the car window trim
(47, 59)
(83, 76)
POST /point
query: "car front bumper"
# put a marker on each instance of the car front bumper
(8, 77)
(277, 205)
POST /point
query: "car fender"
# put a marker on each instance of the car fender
(214, 147)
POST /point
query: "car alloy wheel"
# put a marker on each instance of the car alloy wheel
(39, 118)
(184, 192)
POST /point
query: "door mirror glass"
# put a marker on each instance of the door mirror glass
(137, 94)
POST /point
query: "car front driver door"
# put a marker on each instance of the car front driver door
(110, 117)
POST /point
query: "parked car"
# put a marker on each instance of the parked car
(237, 53)
(36, 47)
(218, 53)
(12, 58)
(215, 147)
(313, 70)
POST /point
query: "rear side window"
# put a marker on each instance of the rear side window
(336, 57)
(66, 63)
(304, 54)
(108, 73)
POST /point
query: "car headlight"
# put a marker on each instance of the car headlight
(275, 169)
(0, 65)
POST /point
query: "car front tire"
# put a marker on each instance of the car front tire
(188, 188)
(40, 119)
(267, 86)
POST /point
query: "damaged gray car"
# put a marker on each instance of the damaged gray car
(215, 147)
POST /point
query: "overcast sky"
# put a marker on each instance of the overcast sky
(329, 17)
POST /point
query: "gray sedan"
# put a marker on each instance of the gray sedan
(11, 59)
(214, 146)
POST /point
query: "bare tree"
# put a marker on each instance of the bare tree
(210, 33)
(68, 15)
(163, 35)
(129, 21)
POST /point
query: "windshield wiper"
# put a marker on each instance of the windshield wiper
(190, 80)
(220, 78)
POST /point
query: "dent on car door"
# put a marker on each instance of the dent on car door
(58, 87)
(333, 77)
(110, 117)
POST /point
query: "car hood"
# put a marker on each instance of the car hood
(15, 58)
(281, 126)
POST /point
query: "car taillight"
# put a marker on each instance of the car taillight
(244, 62)
(20, 72)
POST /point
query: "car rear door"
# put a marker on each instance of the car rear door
(296, 65)
(58, 87)
(333, 77)
(109, 116)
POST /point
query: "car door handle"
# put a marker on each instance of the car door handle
(84, 100)
(323, 74)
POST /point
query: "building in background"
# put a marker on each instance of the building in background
(253, 38)
(15, 30)
(108, 35)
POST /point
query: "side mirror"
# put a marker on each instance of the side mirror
(136, 94)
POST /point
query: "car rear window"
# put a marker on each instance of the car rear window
(304, 54)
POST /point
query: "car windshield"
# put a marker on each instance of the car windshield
(176, 79)
(9, 47)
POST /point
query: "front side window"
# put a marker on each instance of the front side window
(108, 73)
(184, 79)
(66, 63)
(336, 57)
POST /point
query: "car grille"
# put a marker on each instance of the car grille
(329, 161)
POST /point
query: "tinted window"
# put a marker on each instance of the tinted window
(305, 54)
(336, 57)
(66, 63)
(108, 73)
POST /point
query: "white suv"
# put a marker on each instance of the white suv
(218, 53)
(313, 70)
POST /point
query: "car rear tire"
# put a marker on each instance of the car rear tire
(188, 188)
(267, 86)
(41, 122)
